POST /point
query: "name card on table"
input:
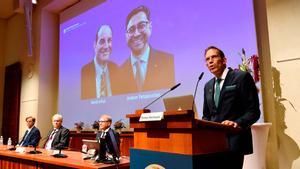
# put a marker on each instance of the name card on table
(20, 149)
(154, 116)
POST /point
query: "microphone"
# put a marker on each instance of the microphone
(200, 77)
(172, 88)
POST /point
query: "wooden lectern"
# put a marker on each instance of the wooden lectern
(178, 140)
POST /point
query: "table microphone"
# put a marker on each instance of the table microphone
(200, 77)
(35, 151)
(60, 155)
(172, 88)
(12, 148)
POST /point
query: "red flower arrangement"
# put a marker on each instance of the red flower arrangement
(247, 63)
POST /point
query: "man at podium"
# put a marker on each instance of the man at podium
(231, 98)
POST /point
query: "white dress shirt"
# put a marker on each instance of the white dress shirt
(99, 70)
(50, 139)
(144, 57)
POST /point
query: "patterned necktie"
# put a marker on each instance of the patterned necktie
(138, 75)
(50, 137)
(52, 134)
(103, 134)
(217, 91)
(103, 90)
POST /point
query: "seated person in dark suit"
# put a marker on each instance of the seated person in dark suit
(109, 137)
(146, 68)
(59, 137)
(32, 135)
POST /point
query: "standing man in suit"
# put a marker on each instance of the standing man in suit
(231, 98)
(99, 77)
(59, 137)
(146, 68)
(32, 135)
(112, 142)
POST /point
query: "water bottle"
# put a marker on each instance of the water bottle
(9, 142)
(1, 141)
(84, 148)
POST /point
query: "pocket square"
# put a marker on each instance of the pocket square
(230, 88)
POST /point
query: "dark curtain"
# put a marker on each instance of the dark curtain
(11, 102)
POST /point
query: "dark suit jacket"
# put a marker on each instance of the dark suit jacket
(32, 138)
(61, 138)
(160, 73)
(109, 145)
(239, 103)
(88, 79)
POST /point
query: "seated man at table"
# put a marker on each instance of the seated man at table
(109, 140)
(59, 137)
(32, 135)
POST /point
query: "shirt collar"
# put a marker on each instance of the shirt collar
(56, 129)
(143, 57)
(29, 129)
(106, 130)
(99, 68)
(224, 74)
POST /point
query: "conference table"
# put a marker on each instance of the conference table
(15, 160)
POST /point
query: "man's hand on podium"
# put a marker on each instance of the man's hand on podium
(230, 123)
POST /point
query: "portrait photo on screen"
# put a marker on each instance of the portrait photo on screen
(118, 56)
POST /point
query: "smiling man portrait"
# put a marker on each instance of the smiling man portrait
(146, 68)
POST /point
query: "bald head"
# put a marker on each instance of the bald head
(104, 122)
(57, 121)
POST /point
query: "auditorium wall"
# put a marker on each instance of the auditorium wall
(2, 49)
(12, 46)
(284, 33)
(40, 80)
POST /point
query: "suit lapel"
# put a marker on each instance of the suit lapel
(56, 136)
(93, 82)
(29, 135)
(153, 69)
(150, 71)
(227, 82)
(130, 81)
(210, 94)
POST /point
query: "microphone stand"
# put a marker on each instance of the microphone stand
(195, 93)
(12, 148)
(60, 155)
(174, 87)
(156, 100)
(35, 151)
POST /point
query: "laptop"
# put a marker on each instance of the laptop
(91, 144)
(180, 103)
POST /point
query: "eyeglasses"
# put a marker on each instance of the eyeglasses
(102, 121)
(212, 57)
(141, 27)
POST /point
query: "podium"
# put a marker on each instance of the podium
(177, 141)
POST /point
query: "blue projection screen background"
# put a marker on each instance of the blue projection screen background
(181, 28)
